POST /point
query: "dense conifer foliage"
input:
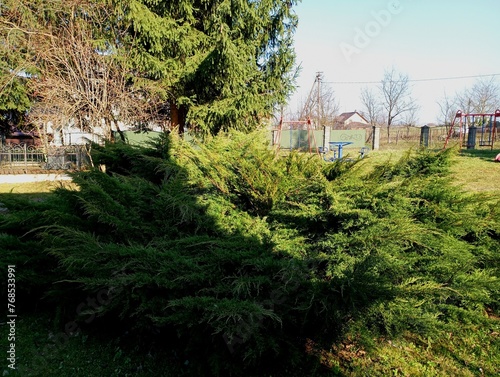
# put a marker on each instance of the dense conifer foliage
(208, 65)
(233, 255)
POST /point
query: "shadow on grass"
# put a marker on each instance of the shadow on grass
(483, 154)
(34, 196)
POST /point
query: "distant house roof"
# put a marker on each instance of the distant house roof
(345, 116)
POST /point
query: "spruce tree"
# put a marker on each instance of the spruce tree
(212, 65)
(224, 63)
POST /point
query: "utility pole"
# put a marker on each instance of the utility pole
(319, 77)
(308, 109)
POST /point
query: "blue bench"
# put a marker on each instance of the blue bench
(337, 147)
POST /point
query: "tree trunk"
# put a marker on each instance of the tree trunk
(42, 131)
(178, 117)
(109, 131)
(120, 132)
(118, 129)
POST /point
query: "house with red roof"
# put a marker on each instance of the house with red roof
(351, 120)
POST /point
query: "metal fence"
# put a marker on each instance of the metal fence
(36, 157)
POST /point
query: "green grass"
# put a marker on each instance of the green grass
(473, 170)
(32, 187)
(44, 350)
(476, 171)
(471, 351)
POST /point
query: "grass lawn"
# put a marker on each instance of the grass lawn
(43, 349)
(32, 187)
(474, 351)
(476, 171)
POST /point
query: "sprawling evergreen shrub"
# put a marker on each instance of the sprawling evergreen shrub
(235, 254)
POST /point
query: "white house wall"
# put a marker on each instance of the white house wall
(72, 135)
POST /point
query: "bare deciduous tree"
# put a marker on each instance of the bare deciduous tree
(396, 93)
(81, 75)
(410, 117)
(483, 97)
(448, 107)
(88, 86)
(372, 105)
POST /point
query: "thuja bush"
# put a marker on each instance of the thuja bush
(236, 255)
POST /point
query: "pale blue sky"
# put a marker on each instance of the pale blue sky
(356, 40)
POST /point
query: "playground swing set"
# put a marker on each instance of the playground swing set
(298, 124)
(470, 125)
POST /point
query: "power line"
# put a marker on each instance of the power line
(414, 80)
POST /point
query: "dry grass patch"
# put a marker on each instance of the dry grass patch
(34, 187)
